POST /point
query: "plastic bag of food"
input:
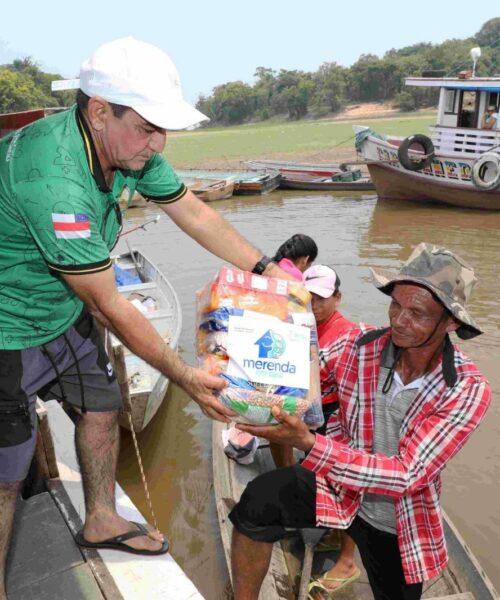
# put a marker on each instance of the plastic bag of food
(260, 335)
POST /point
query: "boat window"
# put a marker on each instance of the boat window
(467, 115)
(449, 102)
(494, 100)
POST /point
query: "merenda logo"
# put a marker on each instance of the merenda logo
(271, 345)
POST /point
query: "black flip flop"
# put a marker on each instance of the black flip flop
(116, 543)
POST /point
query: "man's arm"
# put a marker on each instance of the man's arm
(218, 236)
(99, 293)
(422, 455)
(423, 452)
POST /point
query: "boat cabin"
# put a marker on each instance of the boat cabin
(462, 104)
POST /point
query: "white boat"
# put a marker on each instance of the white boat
(143, 388)
(462, 579)
(457, 164)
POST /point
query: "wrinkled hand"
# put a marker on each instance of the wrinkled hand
(291, 431)
(202, 387)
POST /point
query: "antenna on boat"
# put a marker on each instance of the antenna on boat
(475, 54)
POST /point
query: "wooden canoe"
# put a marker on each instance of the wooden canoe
(210, 190)
(463, 578)
(142, 387)
(316, 183)
(245, 182)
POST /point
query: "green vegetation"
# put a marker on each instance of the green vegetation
(296, 94)
(23, 86)
(194, 148)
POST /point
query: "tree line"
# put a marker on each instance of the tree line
(295, 94)
(299, 94)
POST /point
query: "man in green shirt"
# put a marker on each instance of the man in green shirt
(62, 180)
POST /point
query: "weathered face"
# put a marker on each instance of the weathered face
(323, 308)
(129, 141)
(415, 315)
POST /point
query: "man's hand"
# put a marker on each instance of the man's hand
(202, 387)
(291, 431)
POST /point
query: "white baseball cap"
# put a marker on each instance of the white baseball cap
(141, 76)
(320, 280)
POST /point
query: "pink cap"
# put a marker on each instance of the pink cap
(320, 280)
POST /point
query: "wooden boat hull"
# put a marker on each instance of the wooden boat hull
(395, 184)
(446, 181)
(245, 182)
(292, 183)
(463, 573)
(142, 400)
(264, 185)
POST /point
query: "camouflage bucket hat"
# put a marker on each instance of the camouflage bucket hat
(442, 272)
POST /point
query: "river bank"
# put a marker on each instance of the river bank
(328, 140)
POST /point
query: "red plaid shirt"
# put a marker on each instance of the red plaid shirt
(436, 426)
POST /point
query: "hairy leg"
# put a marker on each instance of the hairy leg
(8, 497)
(249, 564)
(97, 443)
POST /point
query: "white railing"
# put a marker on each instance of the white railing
(458, 142)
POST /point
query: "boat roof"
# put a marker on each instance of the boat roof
(485, 84)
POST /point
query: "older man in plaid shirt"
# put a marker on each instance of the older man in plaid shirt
(409, 400)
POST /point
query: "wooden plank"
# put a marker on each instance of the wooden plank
(77, 583)
(41, 546)
(95, 563)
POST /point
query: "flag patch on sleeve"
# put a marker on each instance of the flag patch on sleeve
(70, 227)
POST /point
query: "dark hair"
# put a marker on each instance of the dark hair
(295, 247)
(336, 291)
(82, 101)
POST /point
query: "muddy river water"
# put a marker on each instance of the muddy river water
(352, 234)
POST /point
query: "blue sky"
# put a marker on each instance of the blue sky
(219, 41)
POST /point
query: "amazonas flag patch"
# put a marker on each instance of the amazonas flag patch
(70, 227)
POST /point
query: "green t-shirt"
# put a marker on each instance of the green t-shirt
(57, 215)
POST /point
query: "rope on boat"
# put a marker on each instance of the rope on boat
(141, 469)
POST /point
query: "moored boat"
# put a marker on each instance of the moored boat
(462, 579)
(300, 181)
(210, 190)
(10, 122)
(245, 182)
(458, 164)
(143, 388)
(290, 167)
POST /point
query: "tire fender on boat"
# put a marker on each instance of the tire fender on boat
(420, 141)
(486, 171)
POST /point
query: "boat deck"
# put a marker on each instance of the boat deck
(44, 561)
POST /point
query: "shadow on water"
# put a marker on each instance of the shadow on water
(352, 234)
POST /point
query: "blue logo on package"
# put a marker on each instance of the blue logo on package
(271, 345)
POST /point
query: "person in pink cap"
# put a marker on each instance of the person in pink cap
(323, 283)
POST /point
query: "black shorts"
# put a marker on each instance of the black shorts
(74, 367)
(276, 501)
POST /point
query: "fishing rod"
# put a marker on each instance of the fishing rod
(143, 226)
